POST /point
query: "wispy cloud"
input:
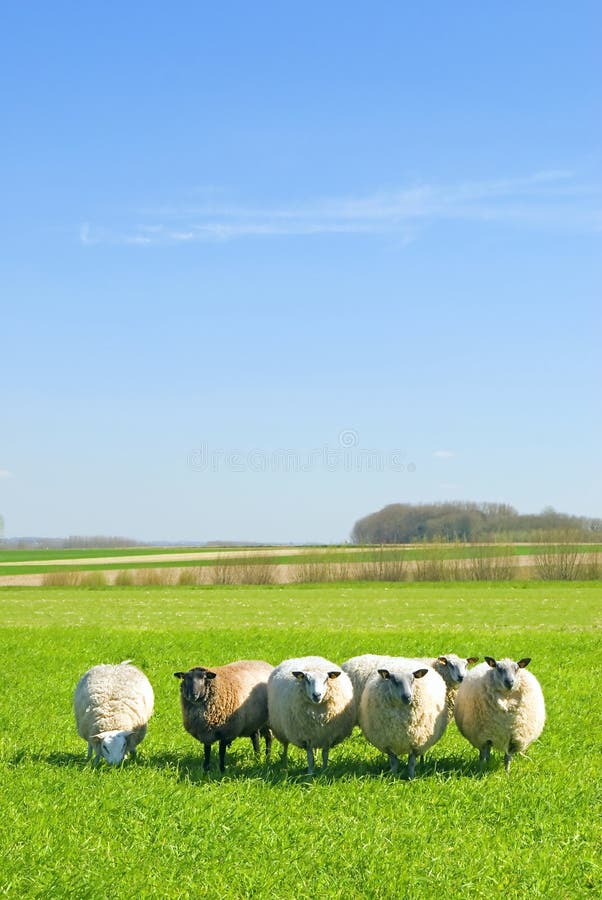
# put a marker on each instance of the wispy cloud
(4, 473)
(545, 199)
(443, 454)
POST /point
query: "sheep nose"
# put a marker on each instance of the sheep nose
(460, 679)
(316, 697)
(406, 698)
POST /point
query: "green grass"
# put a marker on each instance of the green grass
(159, 827)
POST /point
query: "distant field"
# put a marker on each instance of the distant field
(38, 555)
(160, 828)
(27, 562)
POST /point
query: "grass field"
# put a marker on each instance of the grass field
(158, 827)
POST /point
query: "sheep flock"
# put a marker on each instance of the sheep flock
(402, 705)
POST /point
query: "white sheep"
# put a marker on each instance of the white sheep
(403, 711)
(359, 669)
(500, 705)
(224, 703)
(310, 702)
(112, 705)
(451, 668)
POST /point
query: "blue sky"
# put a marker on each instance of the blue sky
(235, 234)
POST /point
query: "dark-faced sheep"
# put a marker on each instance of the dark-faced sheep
(222, 703)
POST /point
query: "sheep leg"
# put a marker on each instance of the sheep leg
(268, 741)
(222, 754)
(285, 752)
(324, 757)
(90, 751)
(484, 755)
(207, 760)
(310, 761)
(507, 761)
(255, 742)
(393, 762)
(421, 760)
(411, 764)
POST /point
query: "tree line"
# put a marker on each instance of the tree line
(404, 523)
(73, 542)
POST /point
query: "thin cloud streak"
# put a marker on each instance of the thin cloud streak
(546, 199)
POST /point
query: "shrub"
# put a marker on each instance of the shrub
(124, 578)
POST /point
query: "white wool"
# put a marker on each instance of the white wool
(395, 727)
(113, 699)
(295, 719)
(359, 669)
(508, 720)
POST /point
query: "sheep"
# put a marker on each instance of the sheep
(226, 702)
(451, 667)
(359, 669)
(112, 705)
(453, 670)
(403, 710)
(500, 705)
(310, 702)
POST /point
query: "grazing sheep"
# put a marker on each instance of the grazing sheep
(311, 705)
(112, 706)
(224, 703)
(500, 705)
(451, 667)
(403, 711)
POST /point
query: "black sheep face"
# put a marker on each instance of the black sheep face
(194, 684)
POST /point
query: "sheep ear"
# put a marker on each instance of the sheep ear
(130, 740)
(384, 673)
(490, 661)
(179, 674)
(523, 663)
(333, 674)
(209, 675)
(298, 675)
(472, 659)
(420, 673)
(442, 660)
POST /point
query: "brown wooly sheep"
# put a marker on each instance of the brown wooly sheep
(226, 702)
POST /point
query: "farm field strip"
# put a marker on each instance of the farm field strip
(290, 556)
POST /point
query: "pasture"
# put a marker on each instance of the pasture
(159, 827)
